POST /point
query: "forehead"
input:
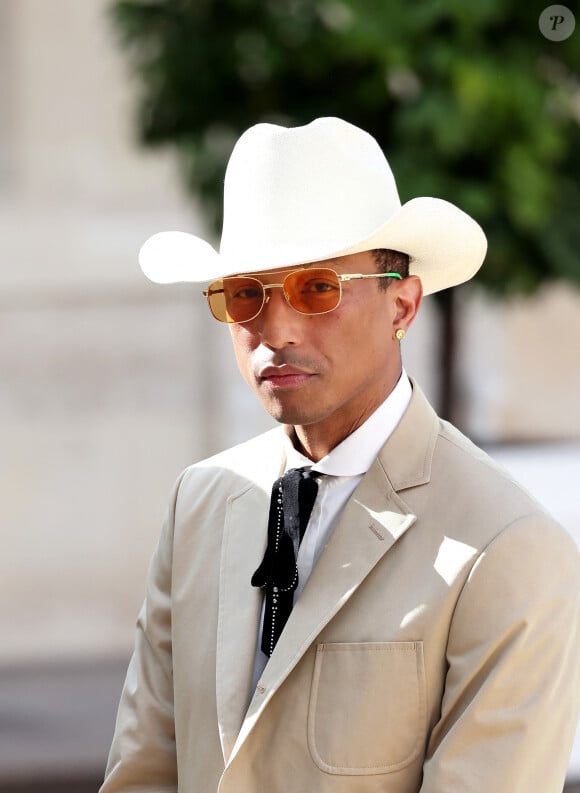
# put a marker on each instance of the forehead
(363, 262)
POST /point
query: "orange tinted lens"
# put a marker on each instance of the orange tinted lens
(235, 299)
(314, 290)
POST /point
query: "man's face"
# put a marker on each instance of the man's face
(328, 372)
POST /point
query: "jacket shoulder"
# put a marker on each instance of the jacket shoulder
(256, 462)
(488, 495)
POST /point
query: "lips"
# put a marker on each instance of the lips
(284, 376)
(281, 371)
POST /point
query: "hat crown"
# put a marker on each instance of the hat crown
(315, 189)
(310, 193)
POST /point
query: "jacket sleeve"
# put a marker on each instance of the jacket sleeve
(512, 691)
(142, 755)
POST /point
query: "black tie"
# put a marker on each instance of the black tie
(293, 496)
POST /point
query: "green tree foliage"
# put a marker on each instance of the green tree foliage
(467, 98)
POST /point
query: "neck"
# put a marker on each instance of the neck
(315, 442)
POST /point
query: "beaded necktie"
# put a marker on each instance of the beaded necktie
(291, 503)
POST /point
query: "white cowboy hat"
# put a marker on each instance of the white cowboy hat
(312, 193)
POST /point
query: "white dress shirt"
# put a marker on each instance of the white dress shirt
(344, 467)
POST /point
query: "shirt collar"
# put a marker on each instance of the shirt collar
(355, 454)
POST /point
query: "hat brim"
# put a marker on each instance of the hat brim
(446, 248)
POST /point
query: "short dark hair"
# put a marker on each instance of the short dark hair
(389, 261)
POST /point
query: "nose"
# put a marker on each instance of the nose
(278, 324)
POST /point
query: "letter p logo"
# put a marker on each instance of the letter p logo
(557, 23)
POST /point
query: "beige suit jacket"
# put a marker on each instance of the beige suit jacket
(435, 646)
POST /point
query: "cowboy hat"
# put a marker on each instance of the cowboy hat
(312, 193)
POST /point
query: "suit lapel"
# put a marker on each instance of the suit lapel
(244, 542)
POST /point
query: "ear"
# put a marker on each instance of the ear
(406, 295)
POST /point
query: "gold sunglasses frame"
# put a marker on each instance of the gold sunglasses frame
(266, 297)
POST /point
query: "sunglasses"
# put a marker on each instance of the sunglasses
(313, 290)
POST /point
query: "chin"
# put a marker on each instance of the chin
(297, 415)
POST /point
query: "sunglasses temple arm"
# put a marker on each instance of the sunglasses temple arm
(358, 276)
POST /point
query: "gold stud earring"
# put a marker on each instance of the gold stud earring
(400, 334)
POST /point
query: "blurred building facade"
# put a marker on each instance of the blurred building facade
(110, 386)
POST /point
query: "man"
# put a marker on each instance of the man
(393, 614)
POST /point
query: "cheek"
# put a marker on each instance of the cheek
(356, 327)
(361, 339)
(243, 346)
